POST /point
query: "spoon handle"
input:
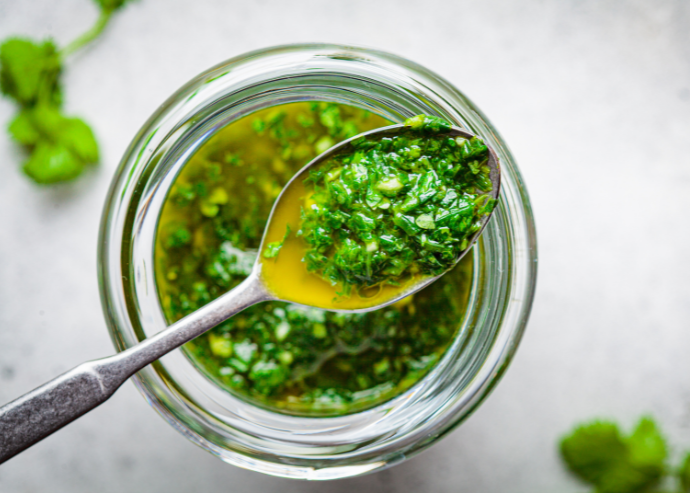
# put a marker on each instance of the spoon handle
(46, 409)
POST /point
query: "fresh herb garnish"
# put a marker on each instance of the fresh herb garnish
(396, 206)
(600, 455)
(59, 147)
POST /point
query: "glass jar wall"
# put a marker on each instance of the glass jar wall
(231, 428)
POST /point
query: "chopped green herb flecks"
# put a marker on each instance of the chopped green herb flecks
(428, 124)
(284, 356)
(272, 249)
(395, 206)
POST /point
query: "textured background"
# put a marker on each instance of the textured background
(592, 95)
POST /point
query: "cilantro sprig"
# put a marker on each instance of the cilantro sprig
(59, 147)
(599, 454)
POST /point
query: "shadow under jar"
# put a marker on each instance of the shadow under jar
(253, 436)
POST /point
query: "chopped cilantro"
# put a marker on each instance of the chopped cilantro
(220, 346)
(395, 206)
(267, 375)
(272, 249)
(178, 236)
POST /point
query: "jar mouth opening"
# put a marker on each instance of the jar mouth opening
(236, 430)
(320, 93)
(301, 90)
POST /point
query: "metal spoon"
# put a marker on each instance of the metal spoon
(46, 409)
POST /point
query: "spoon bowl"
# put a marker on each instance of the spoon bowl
(280, 217)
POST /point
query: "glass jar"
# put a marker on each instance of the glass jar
(231, 428)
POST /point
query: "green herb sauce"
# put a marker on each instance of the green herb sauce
(386, 208)
(282, 356)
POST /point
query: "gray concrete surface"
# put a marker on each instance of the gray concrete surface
(592, 95)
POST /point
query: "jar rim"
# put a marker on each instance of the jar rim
(368, 78)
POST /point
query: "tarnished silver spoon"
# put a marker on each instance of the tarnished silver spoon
(46, 409)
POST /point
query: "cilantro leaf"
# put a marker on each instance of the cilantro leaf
(79, 138)
(51, 163)
(429, 124)
(647, 449)
(598, 454)
(67, 145)
(50, 124)
(23, 130)
(592, 449)
(29, 71)
(684, 475)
